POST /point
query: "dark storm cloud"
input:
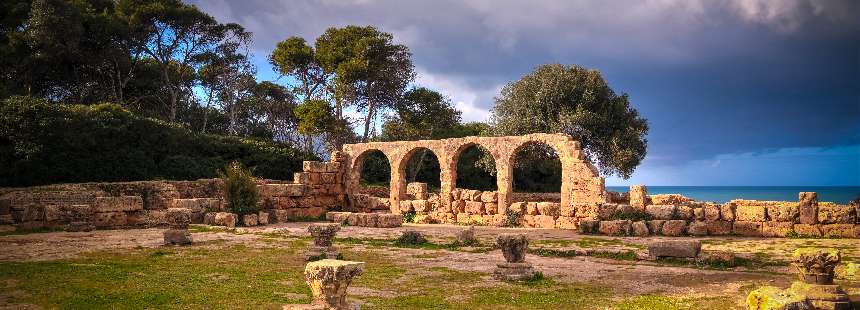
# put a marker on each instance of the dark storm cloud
(712, 77)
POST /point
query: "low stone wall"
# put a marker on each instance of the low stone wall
(313, 192)
(676, 215)
(379, 220)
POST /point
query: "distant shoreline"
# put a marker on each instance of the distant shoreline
(836, 194)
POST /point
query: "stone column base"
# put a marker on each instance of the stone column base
(316, 252)
(824, 296)
(177, 236)
(80, 226)
(514, 271)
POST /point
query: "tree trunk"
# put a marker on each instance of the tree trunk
(367, 120)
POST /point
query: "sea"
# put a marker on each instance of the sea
(836, 194)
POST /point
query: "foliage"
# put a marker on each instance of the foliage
(476, 169)
(632, 214)
(512, 218)
(422, 114)
(410, 238)
(240, 189)
(376, 169)
(537, 168)
(409, 216)
(578, 102)
(43, 143)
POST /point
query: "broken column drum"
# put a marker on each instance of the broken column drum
(514, 247)
(178, 220)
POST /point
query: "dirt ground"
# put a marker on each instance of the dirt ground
(623, 276)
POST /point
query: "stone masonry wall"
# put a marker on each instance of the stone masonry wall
(314, 191)
(676, 215)
(581, 183)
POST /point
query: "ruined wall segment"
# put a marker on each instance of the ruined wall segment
(581, 183)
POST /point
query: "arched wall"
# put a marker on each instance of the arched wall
(580, 184)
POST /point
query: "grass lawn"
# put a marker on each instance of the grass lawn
(235, 276)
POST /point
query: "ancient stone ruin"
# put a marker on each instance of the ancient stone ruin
(178, 220)
(330, 189)
(329, 280)
(322, 247)
(515, 267)
(815, 290)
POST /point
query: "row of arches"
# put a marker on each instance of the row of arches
(536, 169)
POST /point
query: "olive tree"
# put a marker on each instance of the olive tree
(578, 102)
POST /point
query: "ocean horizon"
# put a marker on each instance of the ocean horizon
(836, 194)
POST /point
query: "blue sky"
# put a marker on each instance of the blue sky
(737, 92)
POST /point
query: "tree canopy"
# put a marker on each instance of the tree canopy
(578, 102)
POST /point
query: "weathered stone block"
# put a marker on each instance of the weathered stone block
(418, 190)
(458, 206)
(615, 228)
(389, 220)
(661, 212)
(838, 230)
(475, 207)
(226, 219)
(531, 208)
(712, 212)
(110, 219)
(684, 213)
(812, 230)
(586, 211)
(492, 208)
(697, 228)
(719, 228)
(118, 204)
(249, 220)
(549, 208)
(280, 216)
(776, 229)
(783, 213)
(329, 280)
(263, 218)
(674, 228)
(640, 228)
(836, 214)
(747, 229)
(751, 213)
(489, 196)
(727, 211)
(675, 248)
(656, 226)
(565, 222)
(638, 196)
(327, 178)
(420, 206)
(699, 214)
(177, 236)
(209, 218)
(178, 218)
(587, 226)
(544, 221)
(463, 218)
(808, 208)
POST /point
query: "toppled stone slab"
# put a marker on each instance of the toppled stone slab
(771, 298)
(675, 248)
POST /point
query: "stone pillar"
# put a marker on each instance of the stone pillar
(329, 280)
(514, 247)
(323, 235)
(178, 220)
(504, 182)
(447, 182)
(397, 184)
(808, 205)
(638, 196)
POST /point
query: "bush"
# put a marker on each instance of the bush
(42, 143)
(512, 219)
(409, 216)
(410, 238)
(240, 189)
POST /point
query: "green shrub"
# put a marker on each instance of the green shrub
(409, 216)
(410, 238)
(633, 215)
(240, 189)
(42, 143)
(512, 219)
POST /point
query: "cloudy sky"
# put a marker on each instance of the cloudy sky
(745, 92)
